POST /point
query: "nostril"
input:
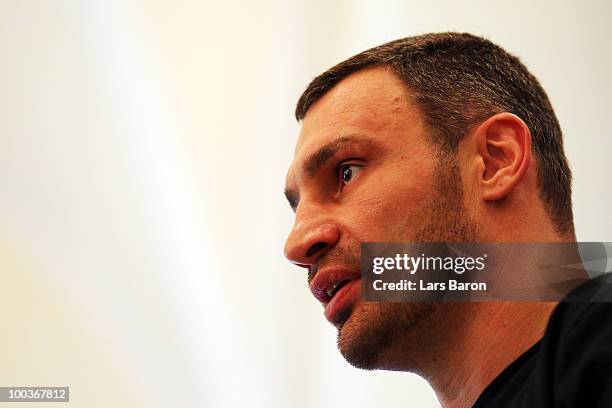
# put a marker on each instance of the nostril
(319, 246)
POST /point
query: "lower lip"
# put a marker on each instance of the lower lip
(345, 298)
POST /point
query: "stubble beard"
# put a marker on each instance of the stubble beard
(371, 329)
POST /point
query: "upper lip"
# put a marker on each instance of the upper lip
(326, 281)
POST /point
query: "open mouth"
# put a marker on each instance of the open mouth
(336, 287)
(330, 284)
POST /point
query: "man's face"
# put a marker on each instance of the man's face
(365, 170)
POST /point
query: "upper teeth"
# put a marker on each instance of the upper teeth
(332, 289)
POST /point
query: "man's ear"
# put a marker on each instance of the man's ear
(504, 143)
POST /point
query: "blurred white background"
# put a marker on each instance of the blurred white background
(143, 148)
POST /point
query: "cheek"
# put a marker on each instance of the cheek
(389, 209)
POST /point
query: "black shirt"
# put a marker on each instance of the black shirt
(571, 366)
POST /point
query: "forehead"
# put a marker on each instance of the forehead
(366, 100)
(373, 102)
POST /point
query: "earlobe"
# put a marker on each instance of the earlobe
(504, 142)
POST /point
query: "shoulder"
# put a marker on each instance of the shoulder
(578, 346)
(586, 310)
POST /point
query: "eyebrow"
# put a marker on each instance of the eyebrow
(316, 160)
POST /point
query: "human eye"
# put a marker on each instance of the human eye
(347, 172)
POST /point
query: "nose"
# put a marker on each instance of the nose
(308, 241)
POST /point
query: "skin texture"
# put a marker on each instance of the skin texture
(403, 189)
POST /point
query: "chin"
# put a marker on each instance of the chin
(372, 329)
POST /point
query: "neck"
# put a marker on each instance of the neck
(483, 338)
(486, 343)
(461, 347)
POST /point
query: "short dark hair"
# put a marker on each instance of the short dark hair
(458, 80)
